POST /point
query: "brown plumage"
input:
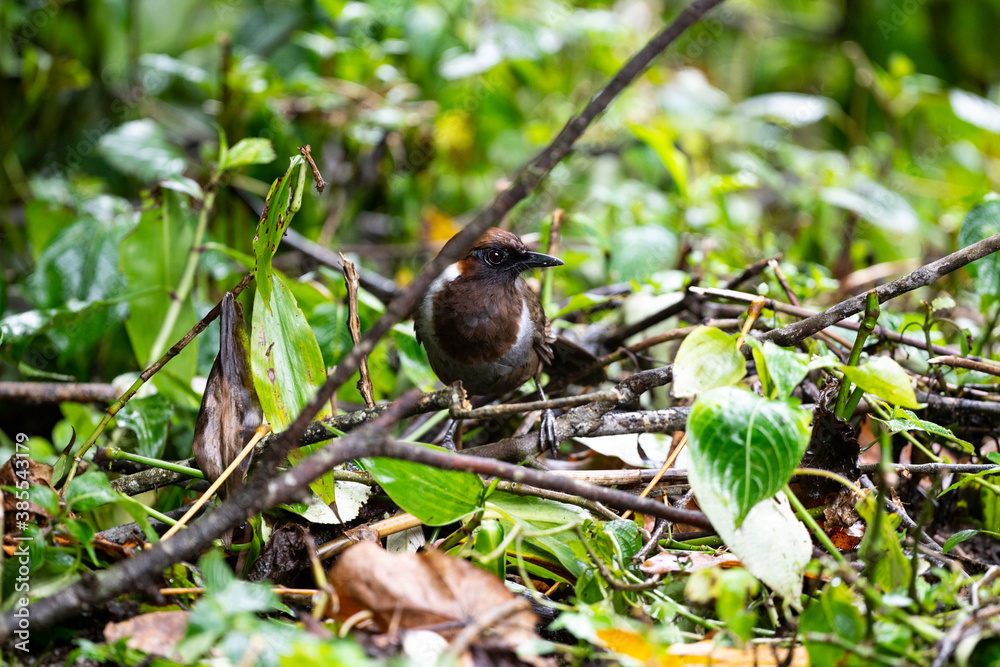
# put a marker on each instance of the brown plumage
(480, 322)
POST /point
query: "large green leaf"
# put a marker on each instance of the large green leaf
(148, 418)
(745, 447)
(285, 359)
(884, 378)
(278, 211)
(982, 222)
(141, 149)
(707, 359)
(436, 497)
(169, 228)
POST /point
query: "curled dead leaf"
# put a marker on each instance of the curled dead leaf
(688, 562)
(427, 591)
(230, 410)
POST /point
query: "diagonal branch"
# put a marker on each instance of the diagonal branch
(922, 277)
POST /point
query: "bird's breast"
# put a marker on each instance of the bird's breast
(479, 333)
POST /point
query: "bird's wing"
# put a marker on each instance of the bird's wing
(543, 338)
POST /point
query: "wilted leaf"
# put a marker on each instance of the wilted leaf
(707, 359)
(769, 522)
(708, 652)
(745, 447)
(43, 502)
(419, 590)
(671, 561)
(274, 219)
(230, 411)
(884, 378)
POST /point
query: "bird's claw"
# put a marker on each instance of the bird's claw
(448, 441)
(547, 433)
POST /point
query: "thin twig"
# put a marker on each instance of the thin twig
(354, 325)
(517, 408)
(963, 362)
(317, 177)
(663, 469)
(780, 275)
(57, 392)
(261, 432)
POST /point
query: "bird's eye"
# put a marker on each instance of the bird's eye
(494, 257)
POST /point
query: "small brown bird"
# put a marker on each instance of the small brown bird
(480, 322)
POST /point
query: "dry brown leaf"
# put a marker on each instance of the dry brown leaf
(35, 473)
(156, 633)
(689, 562)
(230, 410)
(431, 591)
(707, 653)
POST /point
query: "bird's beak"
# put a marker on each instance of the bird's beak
(537, 259)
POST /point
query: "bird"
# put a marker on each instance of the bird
(480, 323)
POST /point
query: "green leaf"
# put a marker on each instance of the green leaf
(148, 418)
(638, 252)
(88, 491)
(744, 446)
(661, 140)
(780, 369)
(141, 149)
(958, 538)
(536, 515)
(436, 497)
(286, 361)
(707, 359)
(982, 222)
(169, 228)
(884, 378)
(278, 212)
(904, 420)
(486, 540)
(252, 150)
(834, 611)
(887, 565)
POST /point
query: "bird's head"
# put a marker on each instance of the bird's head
(501, 255)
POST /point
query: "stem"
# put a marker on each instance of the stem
(823, 538)
(178, 297)
(116, 454)
(867, 326)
